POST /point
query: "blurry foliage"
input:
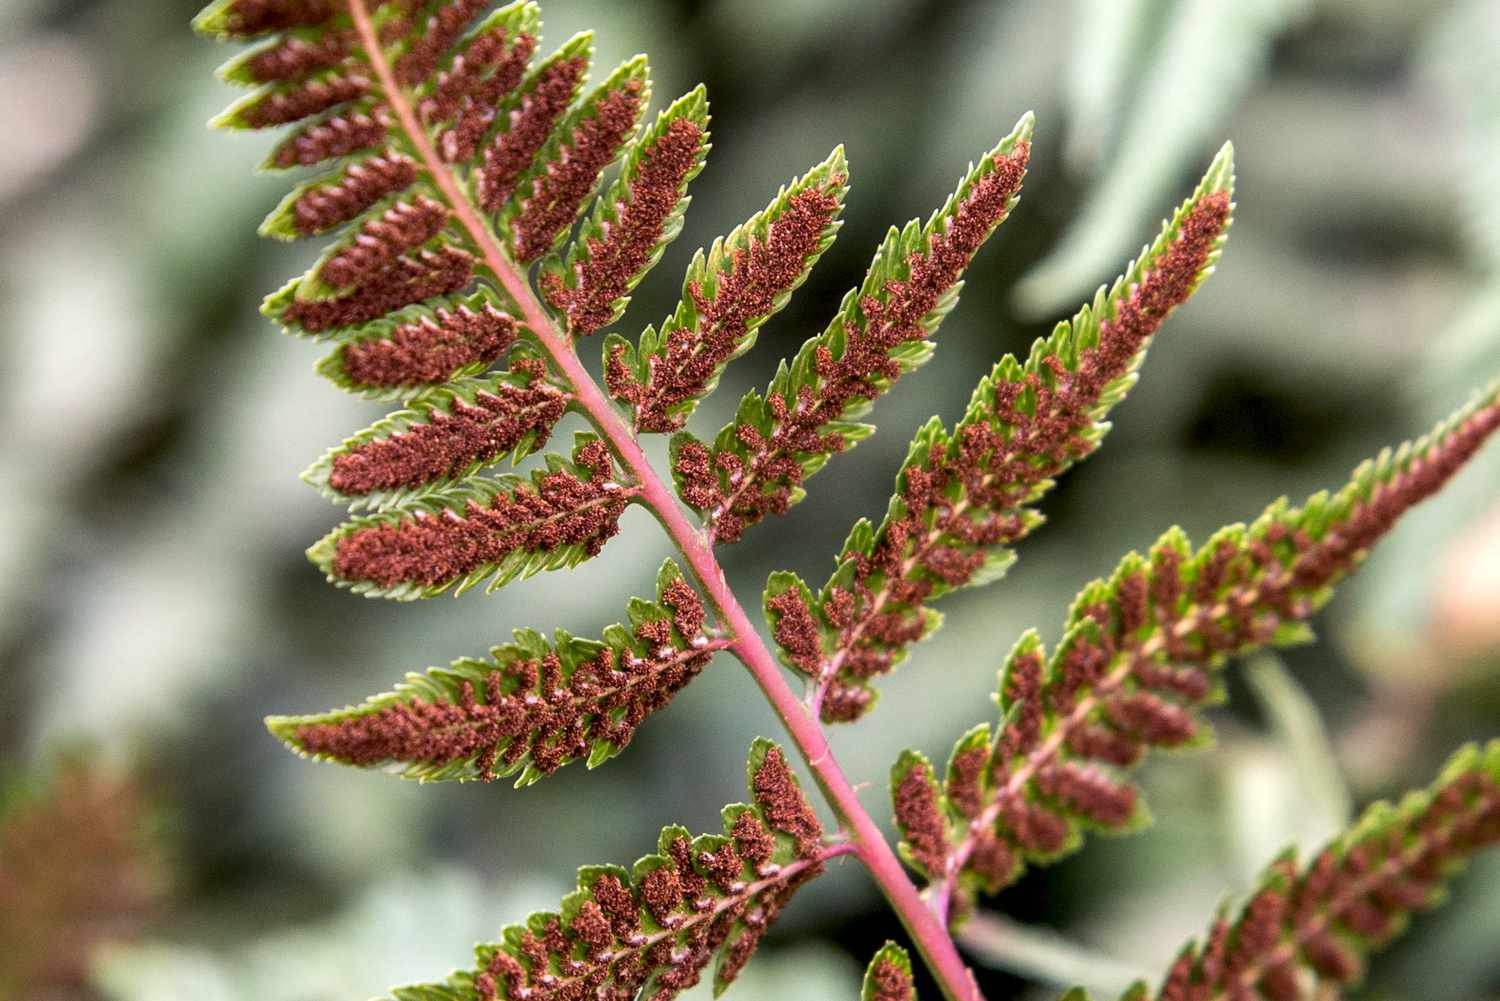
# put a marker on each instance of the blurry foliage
(80, 866)
(158, 430)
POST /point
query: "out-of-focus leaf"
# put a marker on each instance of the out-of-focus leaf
(1207, 54)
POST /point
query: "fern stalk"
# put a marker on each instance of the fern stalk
(928, 932)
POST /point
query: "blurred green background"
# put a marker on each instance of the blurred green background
(155, 603)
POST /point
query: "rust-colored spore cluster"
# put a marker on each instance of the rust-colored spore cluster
(409, 279)
(292, 104)
(1035, 431)
(402, 228)
(759, 274)
(717, 898)
(763, 484)
(435, 550)
(1354, 896)
(448, 445)
(617, 257)
(891, 982)
(326, 206)
(532, 710)
(559, 192)
(257, 17)
(795, 630)
(514, 149)
(920, 816)
(428, 351)
(434, 38)
(469, 94)
(777, 793)
(292, 56)
(333, 136)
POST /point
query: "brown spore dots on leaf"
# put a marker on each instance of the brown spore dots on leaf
(558, 192)
(430, 350)
(410, 279)
(323, 207)
(758, 275)
(921, 818)
(447, 444)
(782, 802)
(514, 149)
(434, 550)
(348, 131)
(891, 982)
(617, 257)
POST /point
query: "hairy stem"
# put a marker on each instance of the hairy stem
(928, 932)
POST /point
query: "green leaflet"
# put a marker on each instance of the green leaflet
(490, 530)
(694, 893)
(441, 441)
(619, 207)
(729, 292)
(415, 351)
(1140, 654)
(881, 331)
(964, 497)
(888, 977)
(530, 707)
(1319, 921)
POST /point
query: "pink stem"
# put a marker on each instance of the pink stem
(928, 933)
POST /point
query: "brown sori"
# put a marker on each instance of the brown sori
(559, 192)
(764, 484)
(617, 258)
(434, 550)
(430, 350)
(446, 445)
(531, 709)
(410, 279)
(514, 149)
(759, 274)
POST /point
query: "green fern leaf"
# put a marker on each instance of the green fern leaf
(442, 441)
(756, 465)
(531, 707)
(651, 930)
(1307, 929)
(632, 223)
(888, 977)
(482, 530)
(1140, 655)
(963, 498)
(729, 292)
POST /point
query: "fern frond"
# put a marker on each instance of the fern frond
(485, 529)
(1309, 928)
(888, 977)
(756, 465)
(442, 440)
(651, 930)
(962, 498)
(633, 222)
(1138, 658)
(437, 117)
(730, 291)
(529, 708)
